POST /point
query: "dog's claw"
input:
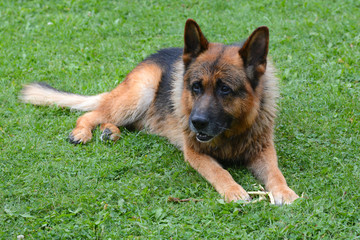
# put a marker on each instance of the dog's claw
(80, 135)
(72, 140)
(235, 193)
(109, 134)
(106, 135)
(284, 196)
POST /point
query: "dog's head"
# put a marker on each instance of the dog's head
(222, 84)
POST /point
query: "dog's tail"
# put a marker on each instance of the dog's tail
(39, 93)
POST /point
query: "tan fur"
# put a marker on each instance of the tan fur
(215, 175)
(249, 138)
(265, 167)
(124, 105)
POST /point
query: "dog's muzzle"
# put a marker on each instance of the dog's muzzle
(200, 125)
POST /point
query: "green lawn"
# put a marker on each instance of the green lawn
(50, 189)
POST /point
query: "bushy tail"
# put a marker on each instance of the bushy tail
(43, 94)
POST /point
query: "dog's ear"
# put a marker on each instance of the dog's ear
(254, 53)
(195, 41)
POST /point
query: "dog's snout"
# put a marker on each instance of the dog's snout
(200, 122)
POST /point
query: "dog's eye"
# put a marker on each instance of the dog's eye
(196, 87)
(225, 90)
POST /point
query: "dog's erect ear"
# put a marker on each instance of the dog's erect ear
(195, 41)
(254, 53)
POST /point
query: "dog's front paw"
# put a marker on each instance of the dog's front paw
(284, 195)
(80, 135)
(235, 193)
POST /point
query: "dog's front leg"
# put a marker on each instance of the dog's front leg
(265, 168)
(218, 177)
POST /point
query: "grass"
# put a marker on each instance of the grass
(50, 189)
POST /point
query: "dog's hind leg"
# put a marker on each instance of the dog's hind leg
(84, 125)
(125, 105)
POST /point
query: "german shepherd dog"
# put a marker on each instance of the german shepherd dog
(215, 102)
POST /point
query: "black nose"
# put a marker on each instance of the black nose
(200, 122)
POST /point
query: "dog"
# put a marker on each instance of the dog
(215, 102)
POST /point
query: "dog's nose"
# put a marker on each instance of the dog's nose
(199, 122)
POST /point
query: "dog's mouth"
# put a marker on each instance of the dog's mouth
(202, 137)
